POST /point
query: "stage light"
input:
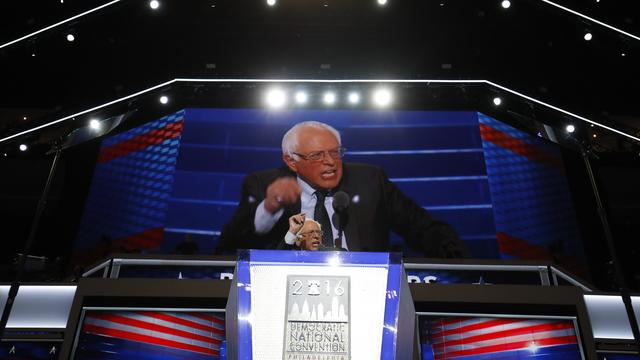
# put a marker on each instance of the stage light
(533, 347)
(570, 128)
(164, 99)
(623, 54)
(506, 4)
(70, 37)
(595, 136)
(382, 97)
(94, 124)
(329, 98)
(382, 2)
(276, 98)
(301, 97)
(354, 98)
(497, 101)
(24, 118)
(154, 4)
(271, 2)
(588, 36)
(23, 147)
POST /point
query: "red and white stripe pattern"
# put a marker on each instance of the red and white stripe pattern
(465, 337)
(191, 331)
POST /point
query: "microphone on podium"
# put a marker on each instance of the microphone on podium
(340, 205)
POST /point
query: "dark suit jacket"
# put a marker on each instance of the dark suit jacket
(381, 207)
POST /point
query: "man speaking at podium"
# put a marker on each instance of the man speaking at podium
(314, 172)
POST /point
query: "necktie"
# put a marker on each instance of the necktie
(320, 215)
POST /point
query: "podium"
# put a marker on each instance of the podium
(184, 310)
(303, 305)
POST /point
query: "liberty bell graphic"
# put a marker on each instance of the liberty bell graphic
(314, 287)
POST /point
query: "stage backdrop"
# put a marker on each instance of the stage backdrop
(170, 185)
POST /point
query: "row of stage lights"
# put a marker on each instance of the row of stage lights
(279, 98)
(505, 4)
(94, 124)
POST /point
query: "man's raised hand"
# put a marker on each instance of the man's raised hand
(283, 191)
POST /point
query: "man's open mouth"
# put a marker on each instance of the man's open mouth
(328, 174)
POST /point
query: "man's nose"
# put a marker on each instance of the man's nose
(327, 159)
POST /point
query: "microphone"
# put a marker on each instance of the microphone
(340, 205)
(340, 202)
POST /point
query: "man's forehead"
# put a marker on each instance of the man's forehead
(309, 134)
(308, 223)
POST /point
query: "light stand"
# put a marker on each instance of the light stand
(617, 268)
(77, 136)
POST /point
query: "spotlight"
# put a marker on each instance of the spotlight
(164, 99)
(595, 136)
(329, 98)
(354, 98)
(570, 128)
(24, 118)
(382, 2)
(506, 4)
(271, 2)
(154, 4)
(623, 54)
(70, 37)
(497, 101)
(276, 98)
(94, 124)
(301, 97)
(23, 147)
(588, 36)
(382, 97)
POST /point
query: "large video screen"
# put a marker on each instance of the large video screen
(149, 334)
(171, 184)
(469, 337)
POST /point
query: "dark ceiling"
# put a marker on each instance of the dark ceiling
(532, 47)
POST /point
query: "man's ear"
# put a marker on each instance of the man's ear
(291, 163)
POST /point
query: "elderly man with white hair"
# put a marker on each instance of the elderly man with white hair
(304, 233)
(314, 172)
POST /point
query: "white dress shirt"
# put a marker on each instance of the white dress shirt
(264, 221)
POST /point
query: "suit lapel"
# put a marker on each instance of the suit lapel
(351, 231)
(291, 210)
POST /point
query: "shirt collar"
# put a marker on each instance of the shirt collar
(307, 190)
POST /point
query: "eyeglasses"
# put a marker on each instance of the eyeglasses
(336, 154)
(313, 232)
